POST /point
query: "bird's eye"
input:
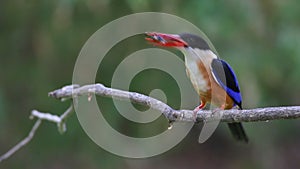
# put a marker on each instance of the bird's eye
(155, 37)
(160, 39)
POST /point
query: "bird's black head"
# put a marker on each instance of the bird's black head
(194, 41)
(172, 40)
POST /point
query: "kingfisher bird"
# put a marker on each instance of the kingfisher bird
(207, 72)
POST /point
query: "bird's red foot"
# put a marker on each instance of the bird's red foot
(200, 107)
(217, 110)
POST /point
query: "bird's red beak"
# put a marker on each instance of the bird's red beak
(165, 40)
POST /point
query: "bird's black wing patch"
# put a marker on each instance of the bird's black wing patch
(225, 76)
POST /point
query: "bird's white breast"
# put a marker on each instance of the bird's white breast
(192, 59)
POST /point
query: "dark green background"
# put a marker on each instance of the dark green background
(39, 44)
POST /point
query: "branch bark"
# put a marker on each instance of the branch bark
(59, 120)
(23, 142)
(71, 91)
(233, 115)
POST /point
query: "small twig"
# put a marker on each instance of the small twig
(59, 120)
(62, 124)
(22, 143)
(45, 116)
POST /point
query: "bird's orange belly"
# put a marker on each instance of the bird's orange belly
(207, 88)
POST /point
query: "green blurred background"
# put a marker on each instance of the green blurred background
(39, 44)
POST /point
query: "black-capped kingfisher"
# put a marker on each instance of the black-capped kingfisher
(206, 72)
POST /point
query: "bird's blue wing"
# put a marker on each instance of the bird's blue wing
(226, 78)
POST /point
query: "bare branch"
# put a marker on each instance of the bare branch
(22, 143)
(59, 120)
(45, 116)
(71, 91)
(233, 115)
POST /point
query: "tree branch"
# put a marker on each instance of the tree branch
(233, 115)
(23, 142)
(59, 120)
(71, 91)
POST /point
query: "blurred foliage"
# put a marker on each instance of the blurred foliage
(40, 41)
